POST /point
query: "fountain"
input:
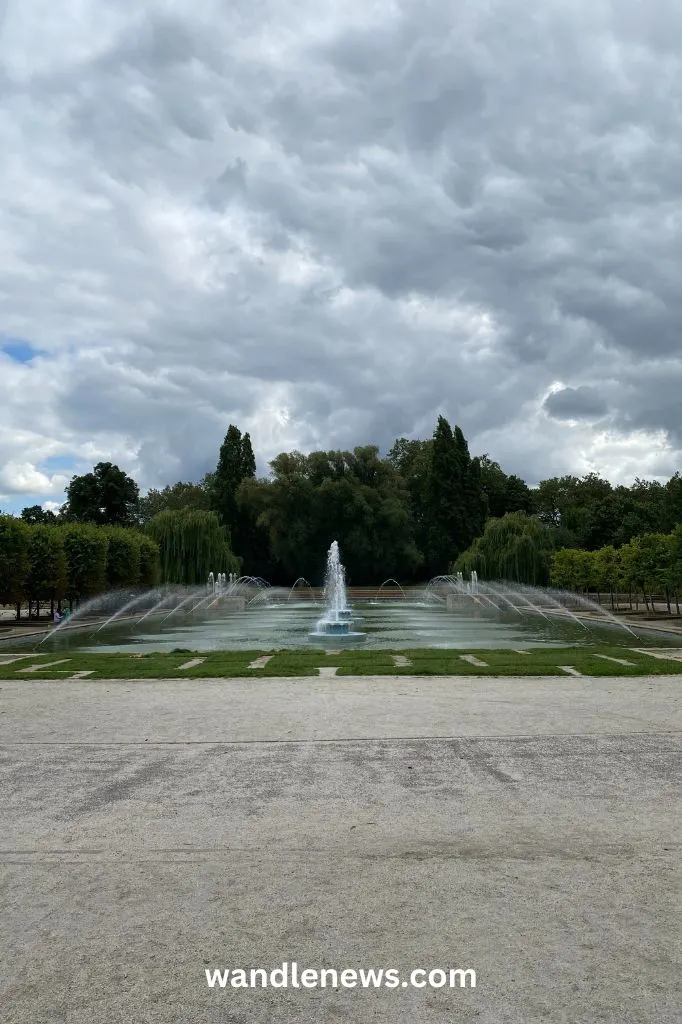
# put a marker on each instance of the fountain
(306, 583)
(201, 616)
(393, 580)
(337, 620)
(460, 593)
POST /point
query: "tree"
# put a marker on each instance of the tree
(105, 497)
(655, 563)
(86, 549)
(411, 459)
(475, 504)
(503, 493)
(676, 563)
(565, 569)
(236, 462)
(354, 497)
(46, 576)
(672, 503)
(516, 547)
(37, 514)
(150, 562)
(174, 497)
(550, 499)
(192, 543)
(607, 570)
(123, 557)
(14, 560)
(455, 504)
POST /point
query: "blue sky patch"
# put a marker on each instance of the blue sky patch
(57, 463)
(18, 350)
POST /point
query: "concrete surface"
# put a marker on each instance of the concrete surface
(528, 829)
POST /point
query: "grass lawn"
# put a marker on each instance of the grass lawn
(589, 661)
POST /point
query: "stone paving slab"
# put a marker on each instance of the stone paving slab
(527, 828)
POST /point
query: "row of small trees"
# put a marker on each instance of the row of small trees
(650, 565)
(520, 548)
(52, 564)
(72, 561)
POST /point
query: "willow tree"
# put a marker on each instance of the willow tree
(192, 543)
(516, 547)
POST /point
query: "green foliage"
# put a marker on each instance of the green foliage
(412, 461)
(516, 547)
(191, 544)
(455, 506)
(106, 497)
(46, 577)
(607, 569)
(14, 559)
(650, 564)
(235, 463)
(503, 493)
(353, 497)
(86, 549)
(33, 514)
(543, 661)
(676, 558)
(123, 557)
(573, 569)
(150, 561)
(409, 515)
(593, 514)
(671, 505)
(174, 497)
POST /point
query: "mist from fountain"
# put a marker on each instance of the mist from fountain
(98, 601)
(159, 604)
(134, 601)
(186, 600)
(555, 603)
(592, 606)
(557, 600)
(527, 602)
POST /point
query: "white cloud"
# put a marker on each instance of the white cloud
(328, 225)
(24, 477)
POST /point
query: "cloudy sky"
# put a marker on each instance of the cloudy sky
(327, 223)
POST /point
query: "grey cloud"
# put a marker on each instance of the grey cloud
(235, 209)
(576, 403)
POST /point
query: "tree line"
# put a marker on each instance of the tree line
(522, 549)
(650, 565)
(49, 564)
(424, 508)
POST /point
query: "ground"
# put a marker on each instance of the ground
(525, 828)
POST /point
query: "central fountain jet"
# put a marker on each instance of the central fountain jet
(337, 620)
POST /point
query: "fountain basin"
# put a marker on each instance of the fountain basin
(337, 637)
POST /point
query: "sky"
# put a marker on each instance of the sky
(330, 223)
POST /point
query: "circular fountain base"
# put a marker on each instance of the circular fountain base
(335, 638)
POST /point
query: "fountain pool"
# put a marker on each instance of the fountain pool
(400, 624)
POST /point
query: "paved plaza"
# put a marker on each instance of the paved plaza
(528, 829)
